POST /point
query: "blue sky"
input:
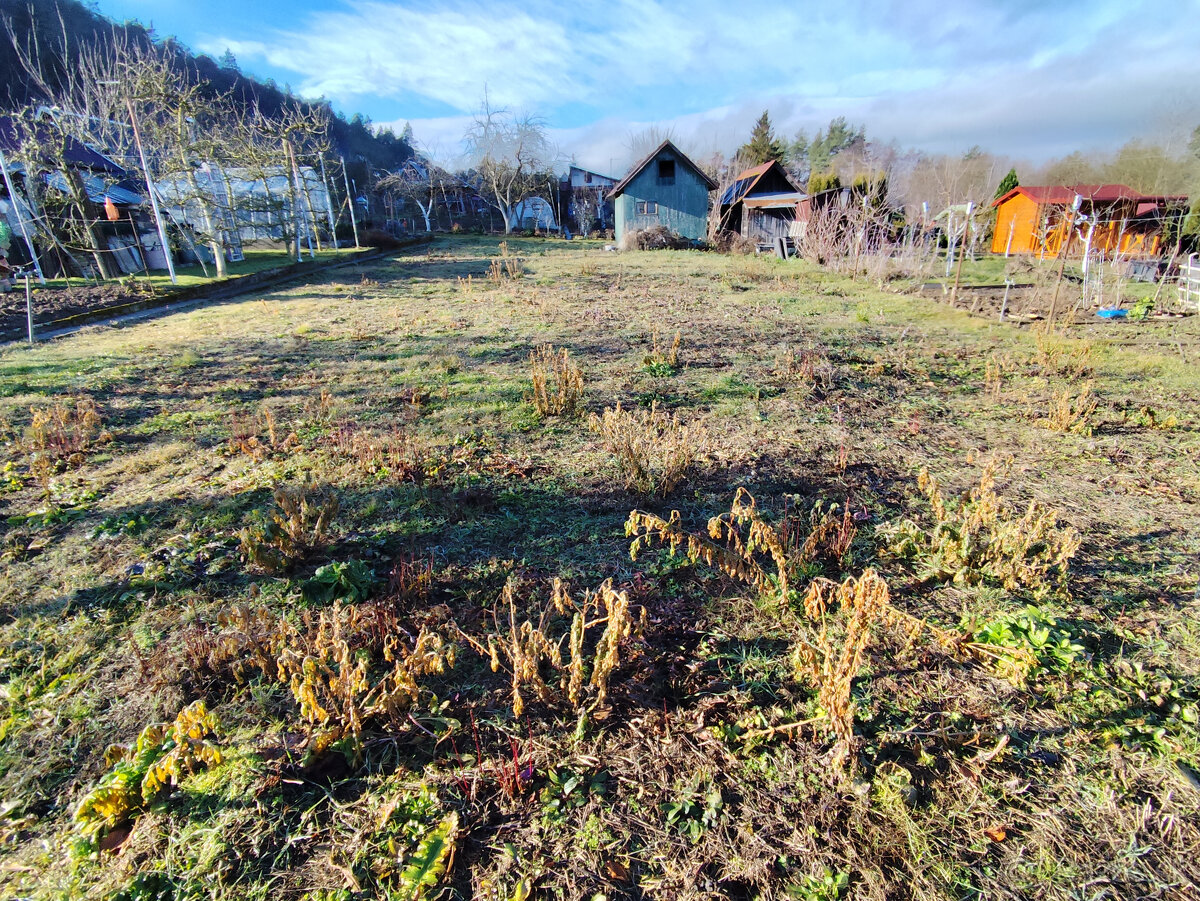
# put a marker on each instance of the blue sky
(1028, 78)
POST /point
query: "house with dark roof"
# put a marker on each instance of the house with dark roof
(666, 188)
(761, 203)
(1040, 220)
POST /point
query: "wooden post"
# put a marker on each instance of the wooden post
(1012, 224)
(958, 271)
(137, 240)
(29, 306)
(350, 204)
(1004, 303)
(1062, 255)
(162, 231)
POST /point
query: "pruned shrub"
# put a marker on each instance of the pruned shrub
(654, 451)
(557, 382)
(980, 539)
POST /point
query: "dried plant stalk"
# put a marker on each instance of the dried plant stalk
(557, 382)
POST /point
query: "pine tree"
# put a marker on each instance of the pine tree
(1007, 183)
(229, 61)
(763, 146)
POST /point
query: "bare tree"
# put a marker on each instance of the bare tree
(422, 182)
(511, 157)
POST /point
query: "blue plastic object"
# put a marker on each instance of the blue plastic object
(1112, 313)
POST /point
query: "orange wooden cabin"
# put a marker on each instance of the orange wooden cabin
(1034, 220)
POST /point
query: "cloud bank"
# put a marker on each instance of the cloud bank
(1016, 76)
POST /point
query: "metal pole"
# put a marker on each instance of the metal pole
(162, 231)
(29, 306)
(12, 196)
(350, 204)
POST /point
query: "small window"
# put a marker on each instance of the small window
(587, 178)
(666, 172)
(646, 208)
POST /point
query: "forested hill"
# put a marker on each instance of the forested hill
(48, 21)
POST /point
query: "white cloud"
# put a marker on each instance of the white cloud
(1018, 75)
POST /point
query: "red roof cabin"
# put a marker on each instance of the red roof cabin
(1033, 220)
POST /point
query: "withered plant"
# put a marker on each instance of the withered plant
(663, 359)
(64, 433)
(806, 367)
(1071, 411)
(1056, 355)
(745, 546)
(981, 539)
(506, 267)
(257, 435)
(143, 772)
(397, 454)
(340, 690)
(654, 451)
(299, 523)
(576, 644)
(557, 382)
(841, 617)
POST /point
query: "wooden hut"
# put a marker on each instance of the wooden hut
(1035, 220)
(761, 203)
(666, 188)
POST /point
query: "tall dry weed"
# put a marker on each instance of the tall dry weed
(557, 382)
(654, 452)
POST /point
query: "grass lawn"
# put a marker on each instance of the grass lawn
(256, 259)
(334, 515)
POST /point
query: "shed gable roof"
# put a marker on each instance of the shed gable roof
(1065, 194)
(619, 187)
(747, 181)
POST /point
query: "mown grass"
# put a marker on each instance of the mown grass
(707, 773)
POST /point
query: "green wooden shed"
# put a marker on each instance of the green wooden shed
(666, 188)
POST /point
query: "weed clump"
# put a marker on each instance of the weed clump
(979, 539)
(62, 433)
(299, 523)
(1071, 411)
(557, 382)
(741, 542)
(833, 657)
(583, 674)
(328, 670)
(654, 451)
(505, 267)
(663, 359)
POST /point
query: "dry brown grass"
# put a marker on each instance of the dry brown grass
(654, 452)
(1071, 410)
(557, 382)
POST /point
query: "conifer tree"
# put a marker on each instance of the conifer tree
(763, 145)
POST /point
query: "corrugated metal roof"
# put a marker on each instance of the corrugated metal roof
(747, 179)
(75, 153)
